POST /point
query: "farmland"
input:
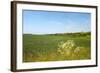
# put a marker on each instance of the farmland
(56, 47)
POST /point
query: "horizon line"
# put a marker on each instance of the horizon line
(55, 33)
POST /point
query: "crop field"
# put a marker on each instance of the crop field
(56, 47)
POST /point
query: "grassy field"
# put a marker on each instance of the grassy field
(56, 47)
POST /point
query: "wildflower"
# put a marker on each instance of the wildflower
(66, 48)
(77, 49)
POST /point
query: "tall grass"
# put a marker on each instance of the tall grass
(56, 47)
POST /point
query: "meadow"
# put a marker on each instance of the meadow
(56, 47)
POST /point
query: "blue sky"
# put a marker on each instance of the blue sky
(50, 22)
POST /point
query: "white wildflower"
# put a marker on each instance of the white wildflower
(77, 49)
(65, 48)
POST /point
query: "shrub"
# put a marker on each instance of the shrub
(66, 48)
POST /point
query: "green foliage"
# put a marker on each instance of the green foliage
(69, 50)
(46, 47)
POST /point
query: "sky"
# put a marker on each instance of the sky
(51, 22)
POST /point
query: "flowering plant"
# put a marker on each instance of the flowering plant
(68, 48)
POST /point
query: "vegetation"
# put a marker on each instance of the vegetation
(56, 47)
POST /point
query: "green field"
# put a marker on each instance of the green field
(56, 47)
